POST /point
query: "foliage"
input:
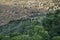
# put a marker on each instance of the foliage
(56, 38)
(52, 23)
(27, 30)
(33, 29)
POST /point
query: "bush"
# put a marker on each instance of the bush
(51, 23)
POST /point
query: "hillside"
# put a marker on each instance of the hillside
(29, 19)
(16, 9)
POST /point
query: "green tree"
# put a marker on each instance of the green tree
(6, 38)
(21, 37)
(51, 23)
(56, 38)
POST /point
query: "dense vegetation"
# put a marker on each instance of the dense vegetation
(39, 28)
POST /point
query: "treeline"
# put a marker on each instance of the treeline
(41, 28)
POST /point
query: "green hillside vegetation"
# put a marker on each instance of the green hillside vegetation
(47, 28)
